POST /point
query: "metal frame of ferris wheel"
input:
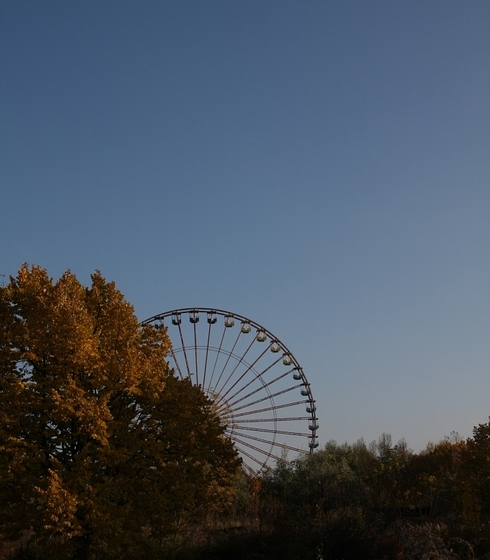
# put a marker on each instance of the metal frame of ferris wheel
(238, 383)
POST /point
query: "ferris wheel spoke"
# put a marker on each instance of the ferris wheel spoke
(195, 317)
(270, 431)
(258, 449)
(226, 362)
(207, 353)
(174, 357)
(290, 419)
(269, 397)
(274, 443)
(218, 352)
(258, 376)
(248, 469)
(273, 407)
(255, 391)
(270, 441)
(249, 368)
(252, 458)
(220, 389)
(183, 347)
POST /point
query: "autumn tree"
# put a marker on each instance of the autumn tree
(477, 470)
(103, 452)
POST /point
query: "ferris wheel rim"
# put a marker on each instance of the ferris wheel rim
(288, 359)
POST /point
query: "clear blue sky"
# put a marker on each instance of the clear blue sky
(322, 167)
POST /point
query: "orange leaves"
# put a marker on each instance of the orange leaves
(59, 508)
(93, 425)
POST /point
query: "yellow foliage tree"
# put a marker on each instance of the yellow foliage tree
(103, 451)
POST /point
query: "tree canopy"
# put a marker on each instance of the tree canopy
(103, 451)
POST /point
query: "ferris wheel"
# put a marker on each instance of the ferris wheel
(255, 383)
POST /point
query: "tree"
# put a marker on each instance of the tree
(478, 471)
(103, 451)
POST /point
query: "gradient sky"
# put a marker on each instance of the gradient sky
(322, 167)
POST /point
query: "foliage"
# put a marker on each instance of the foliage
(376, 501)
(103, 452)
